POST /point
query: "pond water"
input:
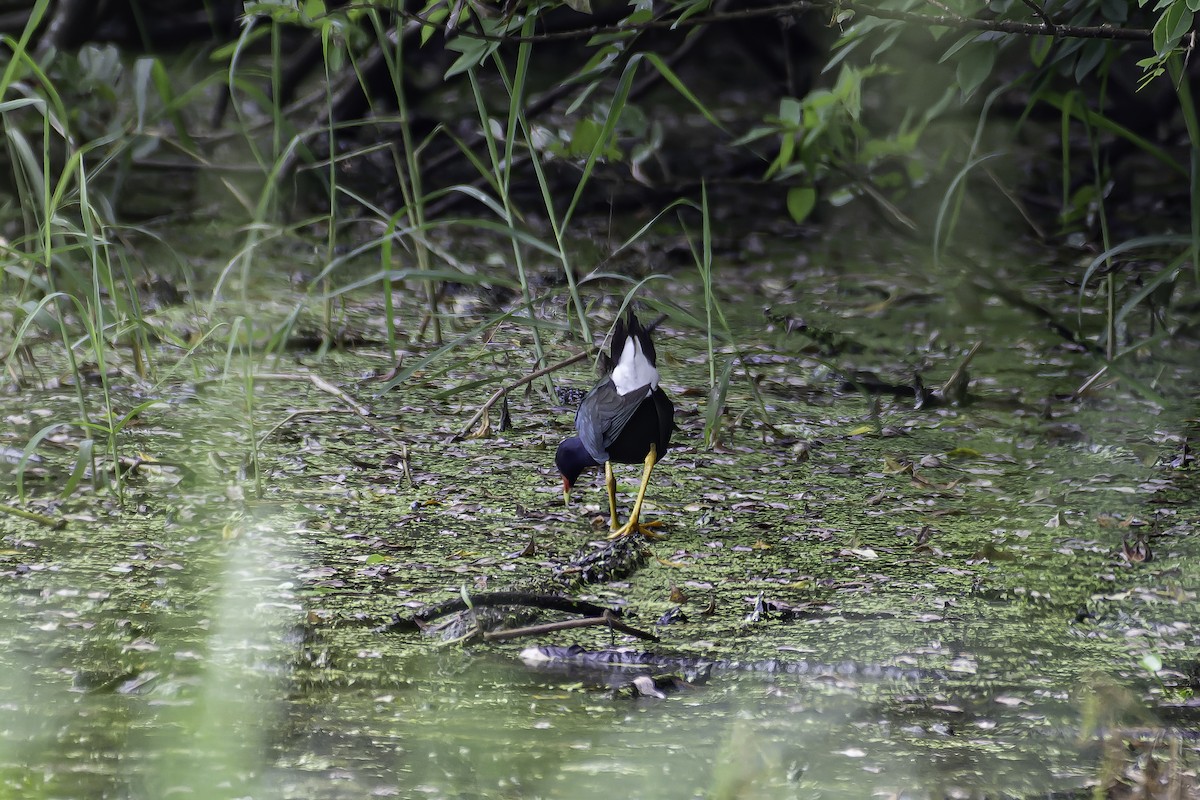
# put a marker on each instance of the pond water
(963, 593)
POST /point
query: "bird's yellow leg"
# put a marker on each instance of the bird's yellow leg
(610, 481)
(632, 526)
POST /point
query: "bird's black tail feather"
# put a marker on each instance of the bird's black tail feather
(628, 327)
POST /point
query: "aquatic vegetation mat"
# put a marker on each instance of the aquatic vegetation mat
(988, 593)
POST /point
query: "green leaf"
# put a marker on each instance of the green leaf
(787, 148)
(789, 111)
(962, 42)
(1158, 37)
(582, 6)
(439, 14)
(473, 52)
(974, 67)
(716, 403)
(886, 43)
(83, 463)
(801, 200)
(670, 77)
(1089, 58)
(1183, 24)
(1175, 21)
(586, 137)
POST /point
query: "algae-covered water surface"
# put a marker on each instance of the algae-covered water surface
(862, 589)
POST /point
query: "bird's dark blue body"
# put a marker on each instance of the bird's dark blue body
(626, 418)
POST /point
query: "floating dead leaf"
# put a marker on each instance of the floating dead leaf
(948, 708)
(484, 431)
(672, 564)
(1012, 702)
(761, 545)
(964, 665)
(132, 685)
(678, 595)
(990, 552)
(140, 645)
(865, 553)
(1136, 550)
(964, 452)
(1059, 520)
(424, 503)
(861, 430)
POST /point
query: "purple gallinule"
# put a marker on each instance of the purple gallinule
(625, 419)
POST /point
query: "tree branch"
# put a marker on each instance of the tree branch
(1045, 28)
(1041, 14)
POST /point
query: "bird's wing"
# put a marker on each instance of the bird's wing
(604, 413)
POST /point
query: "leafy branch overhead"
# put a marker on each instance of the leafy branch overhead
(819, 145)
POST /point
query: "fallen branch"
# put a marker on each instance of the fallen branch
(42, 519)
(960, 370)
(551, 602)
(504, 390)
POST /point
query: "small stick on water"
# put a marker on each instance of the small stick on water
(502, 391)
(42, 519)
(958, 371)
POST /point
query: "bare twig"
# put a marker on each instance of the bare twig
(320, 383)
(960, 369)
(1041, 14)
(953, 21)
(551, 602)
(502, 391)
(41, 519)
(1008, 25)
(1017, 204)
(300, 412)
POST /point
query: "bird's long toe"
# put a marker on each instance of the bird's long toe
(633, 528)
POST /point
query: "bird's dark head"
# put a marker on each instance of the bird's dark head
(572, 459)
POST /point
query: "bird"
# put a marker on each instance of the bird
(626, 418)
